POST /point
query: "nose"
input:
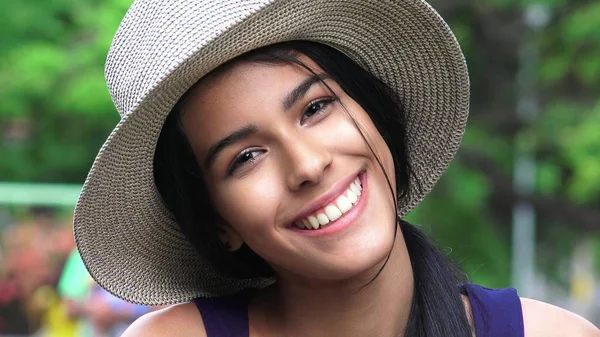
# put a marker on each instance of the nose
(308, 160)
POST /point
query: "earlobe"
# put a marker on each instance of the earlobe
(229, 236)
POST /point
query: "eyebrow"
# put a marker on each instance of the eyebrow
(301, 89)
(233, 138)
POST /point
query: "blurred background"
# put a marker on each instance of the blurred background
(520, 205)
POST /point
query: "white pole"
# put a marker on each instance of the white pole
(523, 238)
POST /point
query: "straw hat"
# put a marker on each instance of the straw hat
(129, 242)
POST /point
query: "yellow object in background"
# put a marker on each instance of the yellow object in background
(582, 289)
(55, 319)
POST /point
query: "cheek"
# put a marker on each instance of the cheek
(249, 205)
(376, 142)
(341, 136)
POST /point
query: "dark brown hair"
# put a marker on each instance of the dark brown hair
(437, 307)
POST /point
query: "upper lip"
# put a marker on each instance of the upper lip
(326, 198)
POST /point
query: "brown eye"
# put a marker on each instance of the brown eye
(316, 108)
(244, 158)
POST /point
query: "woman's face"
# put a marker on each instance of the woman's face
(279, 154)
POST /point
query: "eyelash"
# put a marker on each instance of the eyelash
(325, 101)
(238, 161)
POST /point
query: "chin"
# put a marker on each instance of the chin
(358, 259)
(368, 257)
(365, 251)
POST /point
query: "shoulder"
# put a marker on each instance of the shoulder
(177, 320)
(543, 319)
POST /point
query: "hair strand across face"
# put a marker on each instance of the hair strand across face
(437, 308)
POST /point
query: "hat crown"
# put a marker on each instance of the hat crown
(144, 51)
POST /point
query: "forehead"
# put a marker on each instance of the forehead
(243, 79)
(239, 94)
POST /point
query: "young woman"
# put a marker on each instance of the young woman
(267, 153)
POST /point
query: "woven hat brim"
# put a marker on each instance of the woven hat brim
(129, 242)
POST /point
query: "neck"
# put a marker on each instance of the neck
(349, 308)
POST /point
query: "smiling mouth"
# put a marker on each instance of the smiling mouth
(334, 210)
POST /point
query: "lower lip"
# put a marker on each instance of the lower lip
(346, 219)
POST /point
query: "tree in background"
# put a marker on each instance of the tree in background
(471, 209)
(54, 106)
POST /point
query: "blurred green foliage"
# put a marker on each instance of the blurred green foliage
(55, 112)
(54, 106)
(470, 210)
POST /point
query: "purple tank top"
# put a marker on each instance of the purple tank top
(496, 313)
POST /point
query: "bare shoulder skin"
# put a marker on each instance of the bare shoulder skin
(546, 320)
(178, 320)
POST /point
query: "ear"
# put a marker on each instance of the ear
(229, 236)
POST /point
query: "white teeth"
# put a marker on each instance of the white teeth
(323, 219)
(358, 184)
(355, 189)
(343, 204)
(333, 213)
(314, 222)
(352, 197)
